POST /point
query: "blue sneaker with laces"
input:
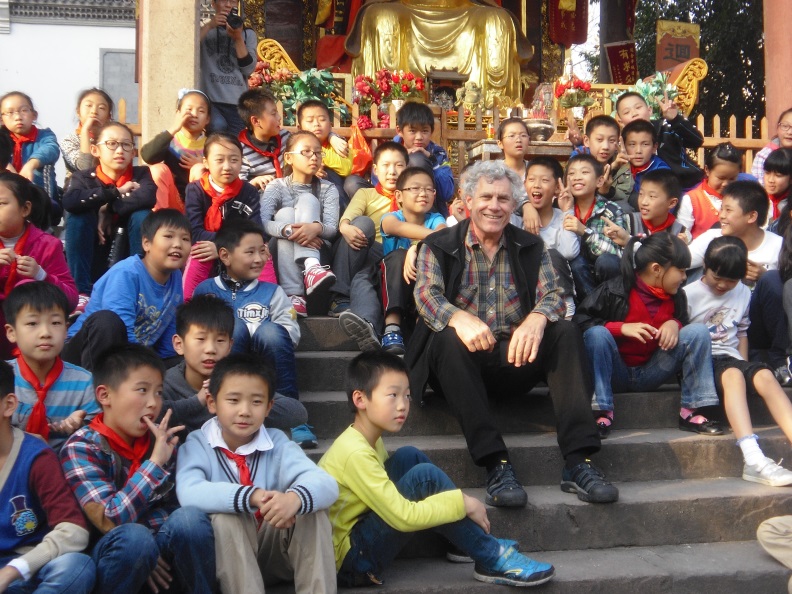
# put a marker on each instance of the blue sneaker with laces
(515, 569)
(304, 437)
(456, 555)
(393, 342)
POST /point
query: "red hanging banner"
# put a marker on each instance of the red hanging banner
(623, 62)
(568, 21)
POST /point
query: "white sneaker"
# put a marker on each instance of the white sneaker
(767, 473)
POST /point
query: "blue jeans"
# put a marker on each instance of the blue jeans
(82, 244)
(70, 573)
(126, 556)
(587, 275)
(272, 342)
(375, 544)
(225, 118)
(692, 356)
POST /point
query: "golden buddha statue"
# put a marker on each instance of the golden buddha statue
(476, 38)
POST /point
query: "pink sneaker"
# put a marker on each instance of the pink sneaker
(82, 303)
(298, 303)
(316, 276)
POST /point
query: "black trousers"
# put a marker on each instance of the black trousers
(466, 378)
(397, 294)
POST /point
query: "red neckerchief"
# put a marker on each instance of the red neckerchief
(18, 247)
(708, 190)
(658, 292)
(585, 219)
(636, 170)
(244, 138)
(135, 453)
(214, 218)
(661, 227)
(124, 178)
(244, 472)
(776, 200)
(390, 195)
(19, 140)
(37, 422)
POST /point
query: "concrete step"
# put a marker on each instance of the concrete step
(321, 377)
(724, 567)
(650, 513)
(628, 455)
(323, 334)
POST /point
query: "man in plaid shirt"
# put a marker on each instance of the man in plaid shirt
(121, 468)
(490, 321)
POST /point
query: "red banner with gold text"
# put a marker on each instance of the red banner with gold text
(568, 21)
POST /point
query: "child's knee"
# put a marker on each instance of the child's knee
(272, 335)
(285, 215)
(695, 334)
(130, 539)
(189, 523)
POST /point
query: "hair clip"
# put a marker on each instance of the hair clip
(184, 92)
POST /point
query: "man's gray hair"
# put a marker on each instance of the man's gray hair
(491, 171)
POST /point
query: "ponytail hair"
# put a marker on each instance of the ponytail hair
(25, 191)
(666, 249)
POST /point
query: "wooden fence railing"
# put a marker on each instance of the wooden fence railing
(457, 135)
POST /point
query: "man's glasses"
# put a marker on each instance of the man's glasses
(113, 145)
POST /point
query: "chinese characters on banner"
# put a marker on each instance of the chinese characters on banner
(676, 43)
(568, 21)
(622, 62)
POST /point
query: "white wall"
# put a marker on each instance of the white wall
(53, 63)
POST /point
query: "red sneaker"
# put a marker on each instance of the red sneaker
(317, 276)
(82, 303)
(298, 303)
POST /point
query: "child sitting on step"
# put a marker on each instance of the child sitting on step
(384, 499)
(721, 302)
(638, 336)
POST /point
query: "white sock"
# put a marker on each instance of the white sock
(752, 453)
(310, 263)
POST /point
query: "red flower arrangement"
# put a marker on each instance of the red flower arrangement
(386, 86)
(573, 92)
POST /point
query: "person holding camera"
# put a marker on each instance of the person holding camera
(228, 53)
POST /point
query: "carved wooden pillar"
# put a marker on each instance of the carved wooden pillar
(778, 58)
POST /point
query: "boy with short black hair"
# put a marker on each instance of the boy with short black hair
(204, 331)
(640, 144)
(602, 139)
(41, 540)
(673, 131)
(657, 200)
(258, 486)
(383, 500)
(401, 232)
(359, 249)
(415, 124)
(543, 181)
(121, 467)
(265, 323)
(315, 117)
(54, 398)
(135, 301)
(586, 216)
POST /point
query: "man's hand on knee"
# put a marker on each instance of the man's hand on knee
(524, 343)
(473, 333)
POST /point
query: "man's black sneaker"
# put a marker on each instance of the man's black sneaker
(503, 490)
(589, 483)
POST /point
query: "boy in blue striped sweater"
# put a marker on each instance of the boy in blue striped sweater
(55, 398)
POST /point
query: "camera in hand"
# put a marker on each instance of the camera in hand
(234, 20)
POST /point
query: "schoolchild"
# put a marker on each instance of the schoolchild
(94, 110)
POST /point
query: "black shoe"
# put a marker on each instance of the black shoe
(783, 374)
(604, 426)
(589, 483)
(503, 490)
(705, 428)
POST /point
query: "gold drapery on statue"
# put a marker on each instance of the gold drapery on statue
(476, 37)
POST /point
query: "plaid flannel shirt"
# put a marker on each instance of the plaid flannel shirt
(478, 274)
(598, 243)
(96, 474)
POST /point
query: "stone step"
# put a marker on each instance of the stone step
(627, 455)
(650, 513)
(329, 413)
(723, 567)
(323, 334)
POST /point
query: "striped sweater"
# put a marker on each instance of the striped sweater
(255, 164)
